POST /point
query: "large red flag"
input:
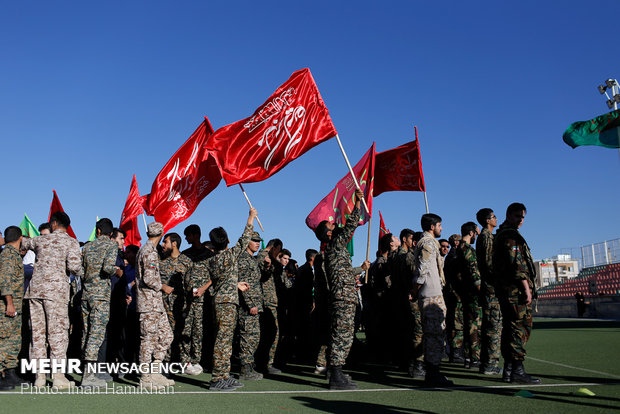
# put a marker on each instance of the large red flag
(338, 204)
(56, 206)
(293, 120)
(399, 169)
(129, 217)
(184, 181)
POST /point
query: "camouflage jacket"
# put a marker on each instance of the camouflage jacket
(467, 268)
(484, 254)
(404, 271)
(198, 277)
(11, 277)
(98, 260)
(175, 272)
(267, 279)
(428, 267)
(224, 272)
(338, 267)
(148, 280)
(512, 260)
(249, 272)
(58, 256)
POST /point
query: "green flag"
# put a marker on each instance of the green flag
(603, 131)
(350, 247)
(93, 235)
(28, 227)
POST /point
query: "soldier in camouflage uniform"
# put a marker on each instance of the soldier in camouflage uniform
(343, 297)
(270, 269)
(250, 309)
(174, 269)
(454, 305)
(491, 312)
(428, 290)
(191, 337)
(58, 255)
(155, 332)
(99, 262)
(514, 272)
(12, 292)
(467, 268)
(223, 271)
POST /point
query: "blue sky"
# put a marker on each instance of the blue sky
(92, 93)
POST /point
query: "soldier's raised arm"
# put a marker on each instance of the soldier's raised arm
(74, 259)
(244, 240)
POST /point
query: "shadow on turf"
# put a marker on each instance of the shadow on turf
(546, 396)
(353, 406)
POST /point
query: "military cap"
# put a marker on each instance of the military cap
(454, 237)
(256, 237)
(154, 229)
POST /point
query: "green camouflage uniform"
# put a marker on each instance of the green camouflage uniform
(454, 304)
(98, 260)
(512, 263)
(11, 284)
(343, 297)
(191, 338)
(467, 265)
(269, 316)
(249, 325)
(491, 312)
(223, 271)
(412, 317)
(175, 273)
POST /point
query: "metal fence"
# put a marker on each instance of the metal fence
(596, 254)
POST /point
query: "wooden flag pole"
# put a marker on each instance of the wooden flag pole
(368, 249)
(344, 154)
(250, 204)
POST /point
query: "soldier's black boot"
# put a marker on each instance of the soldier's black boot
(10, 375)
(248, 374)
(507, 371)
(434, 378)
(5, 385)
(337, 380)
(416, 370)
(457, 356)
(519, 376)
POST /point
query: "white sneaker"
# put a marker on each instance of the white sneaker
(197, 368)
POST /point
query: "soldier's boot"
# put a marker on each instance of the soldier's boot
(160, 378)
(416, 370)
(457, 356)
(337, 380)
(61, 382)
(519, 376)
(11, 376)
(5, 385)
(248, 374)
(434, 378)
(491, 367)
(271, 370)
(40, 380)
(90, 379)
(147, 383)
(507, 371)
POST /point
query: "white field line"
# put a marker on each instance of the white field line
(27, 392)
(572, 367)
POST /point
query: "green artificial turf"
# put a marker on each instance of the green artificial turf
(567, 354)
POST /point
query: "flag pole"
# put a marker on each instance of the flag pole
(368, 248)
(418, 141)
(344, 154)
(250, 204)
(144, 219)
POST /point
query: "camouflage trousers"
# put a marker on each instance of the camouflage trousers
(472, 318)
(321, 358)
(95, 314)
(10, 335)
(270, 328)
(190, 342)
(173, 304)
(491, 330)
(517, 327)
(249, 336)
(454, 322)
(155, 337)
(50, 323)
(342, 322)
(226, 322)
(434, 324)
(418, 333)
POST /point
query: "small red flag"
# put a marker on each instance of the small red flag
(382, 229)
(184, 181)
(129, 217)
(338, 204)
(399, 169)
(293, 120)
(56, 206)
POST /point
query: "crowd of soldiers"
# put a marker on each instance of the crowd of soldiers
(422, 300)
